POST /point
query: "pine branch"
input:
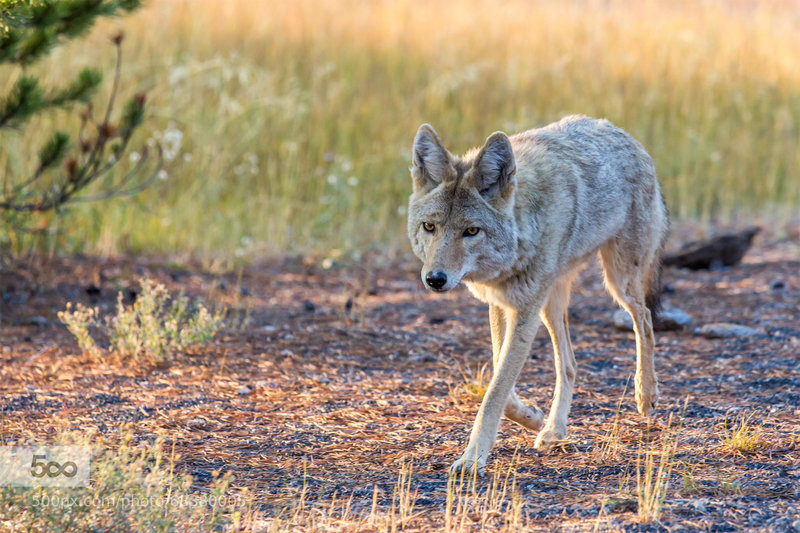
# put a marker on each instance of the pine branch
(91, 163)
(25, 99)
(34, 28)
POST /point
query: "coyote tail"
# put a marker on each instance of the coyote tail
(653, 297)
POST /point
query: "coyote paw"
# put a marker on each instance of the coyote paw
(646, 398)
(468, 466)
(548, 438)
(529, 417)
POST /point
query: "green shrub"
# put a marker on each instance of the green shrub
(156, 326)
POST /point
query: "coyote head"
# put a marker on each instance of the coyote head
(461, 211)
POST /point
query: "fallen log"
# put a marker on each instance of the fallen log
(722, 251)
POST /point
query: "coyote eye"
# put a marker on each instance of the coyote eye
(471, 231)
(428, 227)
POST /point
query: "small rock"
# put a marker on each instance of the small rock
(424, 358)
(268, 329)
(197, 422)
(31, 387)
(668, 288)
(722, 330)
(699, 505)
(244, 291)
(622, 320)
(671, 318)
(38, 321)
(777, 284)
(244, 390)
(309, 306)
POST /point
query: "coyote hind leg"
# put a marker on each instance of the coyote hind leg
(515, 410)
(554, 316)
(627, 269)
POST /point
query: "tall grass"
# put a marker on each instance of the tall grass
(295, 119)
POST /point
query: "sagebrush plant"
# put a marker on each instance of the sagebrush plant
(78, 323)
(156, 326)
(133, 486)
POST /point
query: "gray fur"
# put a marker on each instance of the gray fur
(566, 191)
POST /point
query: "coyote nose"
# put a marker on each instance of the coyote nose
(436, 279)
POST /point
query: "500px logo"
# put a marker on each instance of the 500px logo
(52, 469)
(44, 466)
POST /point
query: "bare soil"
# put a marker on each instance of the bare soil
(332, 377)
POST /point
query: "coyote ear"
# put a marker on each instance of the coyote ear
(430, 159)
(495, 166)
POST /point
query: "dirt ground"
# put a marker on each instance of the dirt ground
(332, 377)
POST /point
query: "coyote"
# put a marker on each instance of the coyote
(514, 219)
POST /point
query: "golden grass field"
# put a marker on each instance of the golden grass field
(289, 124)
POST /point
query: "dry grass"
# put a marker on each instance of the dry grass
(290, 123)
(318, 416)
(610, 447)
(741, 437)
(473, 387)
(653, 470)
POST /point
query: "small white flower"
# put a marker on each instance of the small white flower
(162, 175)
(171, 142)
(332, 179)
(187, 157)
(352, 181)
(347, 165)
(135, 157)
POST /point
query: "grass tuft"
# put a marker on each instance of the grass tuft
(473, 387)
(741, 437)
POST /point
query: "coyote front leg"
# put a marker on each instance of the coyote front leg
(515, 410)
(521, 326)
